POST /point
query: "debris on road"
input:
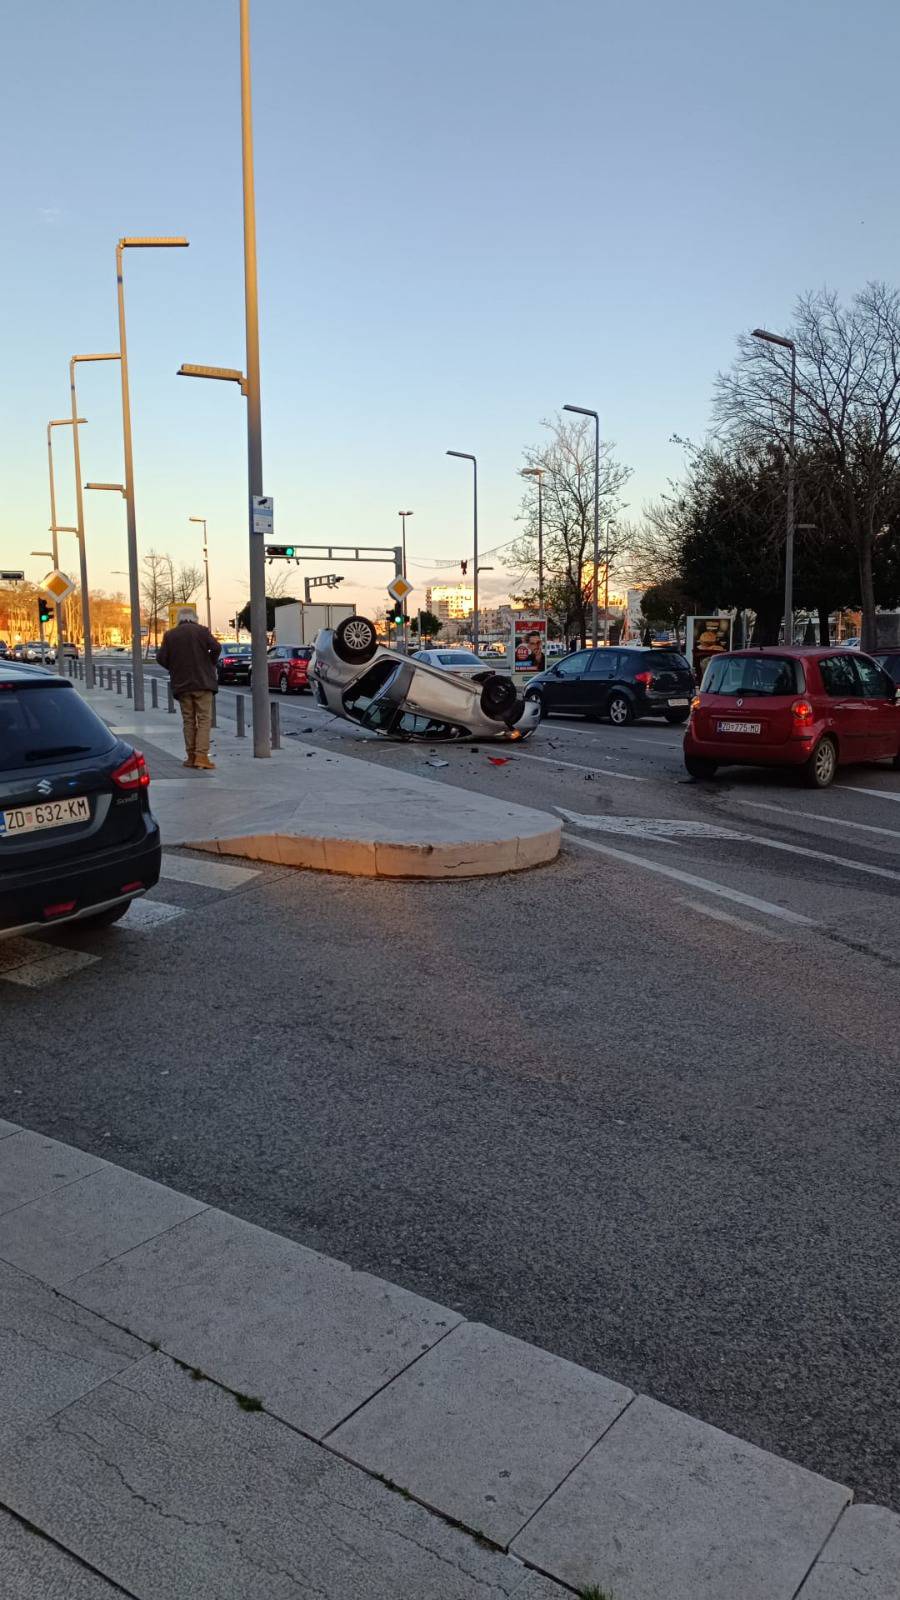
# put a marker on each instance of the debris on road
(430, 763)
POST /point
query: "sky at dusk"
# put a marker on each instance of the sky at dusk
(468, 215)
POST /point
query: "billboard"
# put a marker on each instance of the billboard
(706, 636)
(183, 609)
(528, 644)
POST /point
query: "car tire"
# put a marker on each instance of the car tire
(105, 919)
(284, 683)
(498, 697)
(821, 768)
(355, 640)
(700, 767)
(620, 710)
(674, 717)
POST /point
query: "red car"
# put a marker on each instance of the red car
(814, 709)
(289, 667)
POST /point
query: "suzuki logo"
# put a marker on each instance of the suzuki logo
(45, 786)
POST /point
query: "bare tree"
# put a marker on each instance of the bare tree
(567, 462)
(156, 589)
(848, 408)
(186, 583)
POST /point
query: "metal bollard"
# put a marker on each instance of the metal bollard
(239, 705)
(118, 679)
(128, 685)
(170, 700)
(275, 711)
(213, 721)
(154, 694)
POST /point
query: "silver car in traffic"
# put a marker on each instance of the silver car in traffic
(401, 698)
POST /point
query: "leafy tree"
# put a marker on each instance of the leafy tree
(431, 625)
(273, 601)
(664, 604)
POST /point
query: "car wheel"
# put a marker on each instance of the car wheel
(821, 767)
(699, 767)
(676, 716)
(284, 684)
(355, 640)
(620, 711)
(498, 696)
(105, 919)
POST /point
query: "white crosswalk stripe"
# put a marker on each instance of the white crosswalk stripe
(144, 914)
(206, 874)
(35, 964)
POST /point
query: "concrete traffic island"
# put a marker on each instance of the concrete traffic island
(310, 808)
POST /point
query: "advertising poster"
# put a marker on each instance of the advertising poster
(706, 637)
(529, 644)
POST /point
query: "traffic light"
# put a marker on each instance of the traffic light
(45, 611)
(286, 551)
(398, 616)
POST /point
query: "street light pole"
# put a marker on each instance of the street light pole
(403, 515)
(463, 455)
(787, 344)
(205, 569)
(260, 680)
(60, 422)
(538, 472)
(583, 411)
(134, 585)
(79, 509)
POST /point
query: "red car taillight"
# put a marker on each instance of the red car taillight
(133, 773)
(644, 678)
(802, 711)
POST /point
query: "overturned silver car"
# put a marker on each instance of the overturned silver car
(400, 698)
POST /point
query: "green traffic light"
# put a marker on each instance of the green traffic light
(289, 549)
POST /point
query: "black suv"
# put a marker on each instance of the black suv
(620, 682)
(78, 840)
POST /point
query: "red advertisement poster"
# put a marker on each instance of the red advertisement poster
(529, 644)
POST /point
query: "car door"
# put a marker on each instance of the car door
(561, 688)
(881, 708)
(594, 687)
(277, 655)
(847, 706)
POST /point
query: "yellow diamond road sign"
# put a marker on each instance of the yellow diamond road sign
(57, 586)
(399, 588)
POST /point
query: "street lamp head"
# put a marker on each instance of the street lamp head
(119, 487)
(773, 338)
(66, 422)
(404, 513)
(532, 472)
(152, 244)
(583, 411)
(198, 519)
(112, 355)
(227, 374)
(463, 455)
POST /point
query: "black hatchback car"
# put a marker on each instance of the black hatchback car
(620, 682)
(78, 840)
(234, 663)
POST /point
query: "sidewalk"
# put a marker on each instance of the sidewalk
(308, 808)
(192, 1408)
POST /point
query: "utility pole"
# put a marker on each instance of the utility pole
(262, 743)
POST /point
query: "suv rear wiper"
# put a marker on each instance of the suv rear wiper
(57, 750)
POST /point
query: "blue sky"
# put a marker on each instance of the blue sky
(467, 216)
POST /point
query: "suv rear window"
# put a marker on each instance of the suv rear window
(753, 675)
(303, 653)
(45, 724)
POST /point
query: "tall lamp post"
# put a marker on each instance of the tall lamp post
(403, 515)
(79, 506)
(538, 472)
(205, 570)
(134, 586)
(787, 344)
(463, 455)
(59, 422)
(583, 411)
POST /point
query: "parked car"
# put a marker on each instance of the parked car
(401, 697)
(70, 652)
(289, 667)
(233, 665)
(464, 663)
(814, 709)
(78, 841)
(622, 683)
(889, 659)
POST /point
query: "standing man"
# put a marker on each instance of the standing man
(189, 653)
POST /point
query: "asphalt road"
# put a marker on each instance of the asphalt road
(640, 1107)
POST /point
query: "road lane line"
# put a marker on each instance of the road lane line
(768, 907)
(880, 794)
(734, 922)
(553, 761)
(821, 816)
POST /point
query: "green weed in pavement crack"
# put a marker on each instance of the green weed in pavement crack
(593, 1592)
(248, 1402)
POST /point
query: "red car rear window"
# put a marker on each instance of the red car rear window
(753, 675)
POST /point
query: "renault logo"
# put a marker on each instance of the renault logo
(45, 786)
(739, 702)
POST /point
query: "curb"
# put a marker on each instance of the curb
(382, 858)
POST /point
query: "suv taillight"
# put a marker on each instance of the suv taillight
(133, 773)
(644, 678)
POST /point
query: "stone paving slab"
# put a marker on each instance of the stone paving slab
(31, 1568)
(31, 1166)
(263, 1315)
(667, 1508)
(483, 1428)
(861, 1560)
(51, 1352)
(66, 1233)
(171, 1490)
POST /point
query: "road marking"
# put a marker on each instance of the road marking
(735, 922)
(144, 914)
(207, 874)
(663, 830)
(577, 766)
(47, 965)
(693, 882)
(880, 794)
(821, 816)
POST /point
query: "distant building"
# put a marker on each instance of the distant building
(450, 602)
